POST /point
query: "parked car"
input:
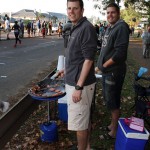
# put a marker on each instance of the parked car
(54, 28)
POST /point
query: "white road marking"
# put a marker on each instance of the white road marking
(2, 63)
(3, 76)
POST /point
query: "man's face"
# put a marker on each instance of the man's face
(112, 15)
(148, 29)
(74, 11)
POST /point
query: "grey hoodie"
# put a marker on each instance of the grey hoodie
(114, 45)
(81, 46)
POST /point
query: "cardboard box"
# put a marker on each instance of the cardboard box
(136, 124)
(129, 139)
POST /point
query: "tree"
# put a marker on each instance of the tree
(39, 15)
(54, 18)
(143, 6)
(130, 16)
(100, 4)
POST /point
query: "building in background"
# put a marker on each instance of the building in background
(26, 14)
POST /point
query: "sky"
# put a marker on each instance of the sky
(43, 6)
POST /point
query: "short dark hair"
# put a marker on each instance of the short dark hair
(80, 2)
(113, 5)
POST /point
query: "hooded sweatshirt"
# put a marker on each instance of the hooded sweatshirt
(82, 45)
(114, 45)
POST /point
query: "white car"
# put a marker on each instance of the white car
(55, 28)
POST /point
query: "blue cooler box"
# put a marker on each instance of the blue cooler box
(129, 139)
(62, 109)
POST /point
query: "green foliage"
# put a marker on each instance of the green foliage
(40, 16)
(54, 18)
(104, 3)
(129, 15)
(142, 6)
(26, 22)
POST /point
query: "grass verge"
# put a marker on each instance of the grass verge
(28, 136)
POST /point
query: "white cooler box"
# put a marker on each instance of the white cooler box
(129, 139)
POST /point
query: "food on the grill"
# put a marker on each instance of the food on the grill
(52, 89)
(57, 91)
(48, 88)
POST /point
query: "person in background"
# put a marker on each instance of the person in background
(60, 27)
(16, 28)
(50, 28)
(21, 24)
(29, 28)
(38, 27)
(44, 25)
(66, 32)
(146, 42)
(32, 28)
(4, 106)
(97, 29)
(132, 30)
(101, 30)
(112, 64)
(7, 27)
(139, 33)
(79, 73)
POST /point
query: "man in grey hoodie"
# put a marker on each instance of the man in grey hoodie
(79, 72)
(112, 63)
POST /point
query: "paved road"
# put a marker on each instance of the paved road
(18, 66)
(3, 35)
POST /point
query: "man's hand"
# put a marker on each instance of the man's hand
(97, 70)
(76, 96)
(61, 73)
(58, 74)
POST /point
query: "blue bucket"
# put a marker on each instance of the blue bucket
(49, 132)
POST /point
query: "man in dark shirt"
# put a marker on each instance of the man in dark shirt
(79, 72)
(112, 63)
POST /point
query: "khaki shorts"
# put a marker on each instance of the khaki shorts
(79, 113)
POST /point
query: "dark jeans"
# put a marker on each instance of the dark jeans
(112, 85)
(17, 37)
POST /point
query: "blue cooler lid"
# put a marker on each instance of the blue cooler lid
(130, 133)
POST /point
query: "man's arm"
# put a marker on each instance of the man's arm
(84, 73)
(108, 63)
(76, 96)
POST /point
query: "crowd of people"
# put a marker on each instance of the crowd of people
(34, 28)
(41, 28)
